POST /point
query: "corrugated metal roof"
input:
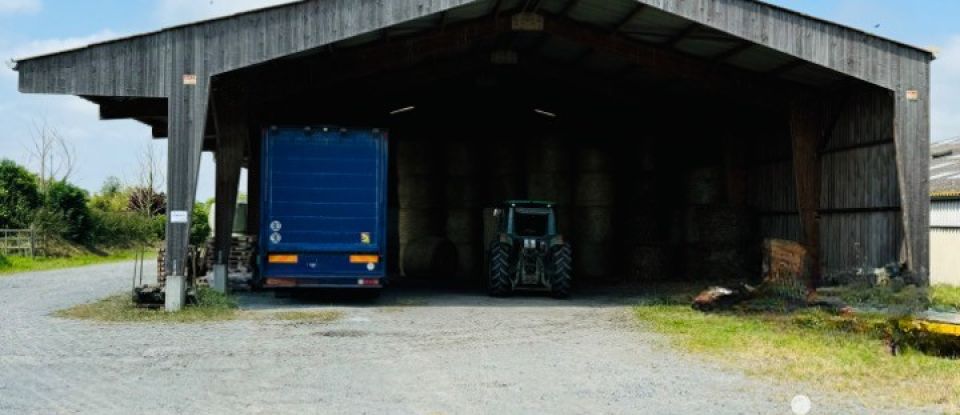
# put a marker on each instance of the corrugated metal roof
(945, 168)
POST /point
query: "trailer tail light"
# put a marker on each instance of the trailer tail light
(368, 282)
(280, 282)
(364, 259)
(282, 259)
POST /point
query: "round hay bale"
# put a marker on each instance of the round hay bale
(416, 158)
(704, 186)
(594, 224)
(564, 215)
(594, 159)
(469, 267)
(415, 224)
(419, 192)
(464, 226)
(594, 189)
(502, 158)
(549, 155)
(503, 187)
(592, 261)
(647, 263)
(462, 192)
(460, 158)
(431, 257)
(554, 187)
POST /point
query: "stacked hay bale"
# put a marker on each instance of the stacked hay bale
(716, 232)
(463, 208)
(502, 175)
(549, 176)
(420, 217)
(640, 207)
(594, 203)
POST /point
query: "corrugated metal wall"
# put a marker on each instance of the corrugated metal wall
(945, 242)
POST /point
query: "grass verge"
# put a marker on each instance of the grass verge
(322, 316)
(945, 296)
(211, 306)
(838, 353)
(15, 264)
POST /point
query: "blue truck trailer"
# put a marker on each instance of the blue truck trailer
(323, 208)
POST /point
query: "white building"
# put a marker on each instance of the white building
(945, 212)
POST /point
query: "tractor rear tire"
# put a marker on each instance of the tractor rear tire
(561, 275)
(499, 270)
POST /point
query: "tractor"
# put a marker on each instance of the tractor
(528, 252)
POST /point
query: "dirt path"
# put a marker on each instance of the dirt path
(411, 352)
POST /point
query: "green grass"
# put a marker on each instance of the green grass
(321, 316)
(211, 306)
(945, 296)
(15, 264)
(836, 353)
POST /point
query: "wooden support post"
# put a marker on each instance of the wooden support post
(805, 136)
(911, 133)
(230, 116)
(189, 87)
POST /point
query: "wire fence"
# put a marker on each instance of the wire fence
(22, 242)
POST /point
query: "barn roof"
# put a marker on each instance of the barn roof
(747, 34)
(287, 4)
(945, 169)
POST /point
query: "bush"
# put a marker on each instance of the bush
(19, 196)
(159, 226)
(199, 225)
(4, 262)
(122, 228)
(69, 202)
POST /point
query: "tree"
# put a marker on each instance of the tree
(146, 196)
(54, 157)
(19, 196)
(199, 224)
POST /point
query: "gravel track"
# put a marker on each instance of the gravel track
(412, 351)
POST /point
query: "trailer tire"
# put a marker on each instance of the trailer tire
(561, 272)
(499, 270)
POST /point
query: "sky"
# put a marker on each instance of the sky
(109, 148)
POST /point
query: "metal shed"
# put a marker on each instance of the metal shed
(798, 128)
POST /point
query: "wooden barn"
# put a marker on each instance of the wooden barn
(673, 135)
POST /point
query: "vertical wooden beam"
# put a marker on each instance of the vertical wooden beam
(911, 133)
(230, 116)
(189, 87)
(805, 136)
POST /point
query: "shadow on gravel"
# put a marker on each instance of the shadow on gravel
(430, 294)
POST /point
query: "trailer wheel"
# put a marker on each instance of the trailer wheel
(561, 275)
(499, 270)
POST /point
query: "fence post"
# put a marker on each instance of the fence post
(32, 244)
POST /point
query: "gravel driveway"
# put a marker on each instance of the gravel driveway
(412, 351)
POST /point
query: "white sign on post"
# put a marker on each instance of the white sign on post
(178, 216)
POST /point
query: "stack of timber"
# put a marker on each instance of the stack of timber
(242, 251)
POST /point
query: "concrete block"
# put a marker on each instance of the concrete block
(176, 293)
(220, 278)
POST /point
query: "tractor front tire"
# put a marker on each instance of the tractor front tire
(561, 272)
(499, 270)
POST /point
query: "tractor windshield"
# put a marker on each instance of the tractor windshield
(531, 222)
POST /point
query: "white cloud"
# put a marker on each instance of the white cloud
(20, 6)
(170, 12)
(945, 94)
(43, 46)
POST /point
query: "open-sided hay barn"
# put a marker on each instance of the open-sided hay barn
(674, 135)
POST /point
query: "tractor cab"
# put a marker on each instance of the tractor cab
(529, 253)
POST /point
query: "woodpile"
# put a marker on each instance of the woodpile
(242, 251)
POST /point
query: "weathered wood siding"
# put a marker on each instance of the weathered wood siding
(860, 221)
